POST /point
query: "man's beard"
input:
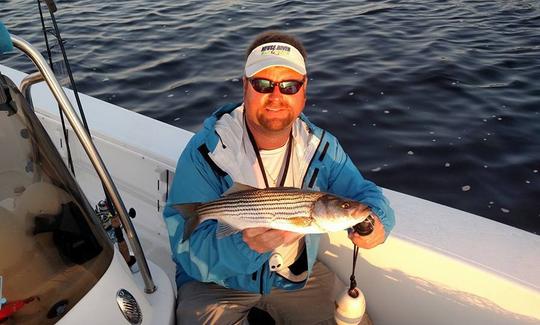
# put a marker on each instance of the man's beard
(276, 123)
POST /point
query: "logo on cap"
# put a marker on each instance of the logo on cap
(272, 55)
(276, 50)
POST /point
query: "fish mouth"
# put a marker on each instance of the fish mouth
(362, 213)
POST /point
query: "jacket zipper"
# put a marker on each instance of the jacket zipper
(313, 158)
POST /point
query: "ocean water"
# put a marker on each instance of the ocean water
(436, 99)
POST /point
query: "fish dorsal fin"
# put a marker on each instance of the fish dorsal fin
(238, 187)
(223, 230)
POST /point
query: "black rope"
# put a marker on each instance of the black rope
(352, 292)
(260, 162)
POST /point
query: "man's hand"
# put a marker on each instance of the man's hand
(371, 240)
(264, 240)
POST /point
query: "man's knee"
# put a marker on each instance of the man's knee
(203, 303)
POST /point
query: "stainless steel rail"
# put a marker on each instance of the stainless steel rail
(26, 86)
(92, 153)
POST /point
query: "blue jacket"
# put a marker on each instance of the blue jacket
(228, 261)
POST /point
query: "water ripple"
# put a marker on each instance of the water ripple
(429, 97)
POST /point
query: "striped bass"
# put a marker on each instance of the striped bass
(283, 208)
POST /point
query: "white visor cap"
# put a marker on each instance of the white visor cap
(274, 54)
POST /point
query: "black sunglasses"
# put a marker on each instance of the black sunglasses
(286, 87)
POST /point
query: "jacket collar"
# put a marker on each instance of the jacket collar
(210, 122)
(231, 150)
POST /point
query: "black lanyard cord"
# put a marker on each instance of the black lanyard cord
(353, 293)
(260, 162)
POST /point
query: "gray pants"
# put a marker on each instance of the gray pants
(209, 303)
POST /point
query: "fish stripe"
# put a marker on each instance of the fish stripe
(243, 205)
(283, 212)
(261, 199)
(254, 204)
(258, 215)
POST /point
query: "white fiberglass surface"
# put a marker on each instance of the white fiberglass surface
(51, 251)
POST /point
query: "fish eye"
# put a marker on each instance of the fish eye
(345, 205)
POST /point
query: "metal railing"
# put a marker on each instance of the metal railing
(26, 86)
(91, 151)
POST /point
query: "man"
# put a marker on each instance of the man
(263, 142)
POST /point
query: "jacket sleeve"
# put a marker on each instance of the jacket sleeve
(346, 180)
(203, 256)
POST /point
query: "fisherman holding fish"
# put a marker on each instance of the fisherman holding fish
(253, 191)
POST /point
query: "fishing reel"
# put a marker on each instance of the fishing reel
(351, 304)
(105, 217)
(111, 223)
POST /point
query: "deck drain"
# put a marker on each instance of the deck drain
(129, 306)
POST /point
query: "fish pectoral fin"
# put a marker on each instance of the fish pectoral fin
(301, 221)
(223, 230)
(238, 187)
(321, 228)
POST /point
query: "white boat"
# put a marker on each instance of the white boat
(439, 266)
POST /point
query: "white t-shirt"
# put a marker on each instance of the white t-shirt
(274, 163)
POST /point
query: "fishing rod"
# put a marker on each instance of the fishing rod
(56, 32)
(104, 208)
(52, 8)
(51, 5)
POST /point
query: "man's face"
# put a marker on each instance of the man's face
(273, 111)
